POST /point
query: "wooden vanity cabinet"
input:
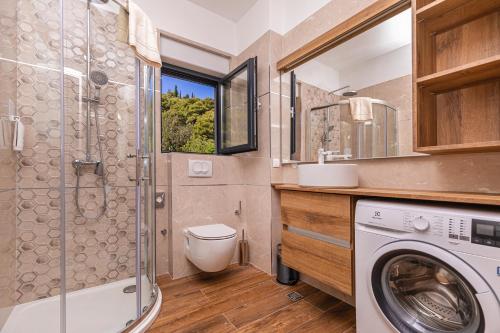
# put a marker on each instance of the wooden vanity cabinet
(317, 237)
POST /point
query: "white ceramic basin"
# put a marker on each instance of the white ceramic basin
(328, 175)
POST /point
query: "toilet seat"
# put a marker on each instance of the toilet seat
(212, 232)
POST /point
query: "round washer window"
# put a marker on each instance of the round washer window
(421, 294)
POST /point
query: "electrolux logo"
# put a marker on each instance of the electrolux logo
(377, 215)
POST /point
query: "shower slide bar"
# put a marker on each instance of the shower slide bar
(346, 102)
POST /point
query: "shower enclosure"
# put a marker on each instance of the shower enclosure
(332, 128)
(77, 233)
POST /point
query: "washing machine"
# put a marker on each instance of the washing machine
(423, 268)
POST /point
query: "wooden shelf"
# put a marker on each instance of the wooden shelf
(458, 197)
(441, 15)
(461, 76)
(475, 147)
(438, 8)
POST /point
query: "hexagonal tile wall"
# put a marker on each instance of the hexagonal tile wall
(98, 250)
(38, 244)
(7, 247)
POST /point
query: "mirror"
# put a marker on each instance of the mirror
(354, 101)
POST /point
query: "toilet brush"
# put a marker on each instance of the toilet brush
(244, 251)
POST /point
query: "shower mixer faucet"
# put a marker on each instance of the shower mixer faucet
(98, 169)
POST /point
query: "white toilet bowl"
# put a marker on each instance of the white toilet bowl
(210, 247)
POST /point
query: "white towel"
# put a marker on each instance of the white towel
(142, 35)
(361, 108)
(18, 142)
(5, 134)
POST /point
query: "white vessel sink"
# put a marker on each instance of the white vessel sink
(328, 175)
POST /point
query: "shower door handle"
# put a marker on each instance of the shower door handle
(139, 167)
(134, 156)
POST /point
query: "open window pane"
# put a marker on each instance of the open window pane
(237, 121)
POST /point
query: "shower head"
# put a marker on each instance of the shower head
(347, 93)
(350, 93)
(99, 78)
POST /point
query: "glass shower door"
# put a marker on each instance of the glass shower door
(146, 190)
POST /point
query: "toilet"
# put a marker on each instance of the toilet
(210, 247)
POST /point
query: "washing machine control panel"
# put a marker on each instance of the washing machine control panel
(459, 228)
(453, 227)
(485, 232)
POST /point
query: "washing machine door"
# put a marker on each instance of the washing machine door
(421, 288)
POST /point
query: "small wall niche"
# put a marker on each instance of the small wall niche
(457, 83)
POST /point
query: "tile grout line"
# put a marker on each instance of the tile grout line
(229, 321)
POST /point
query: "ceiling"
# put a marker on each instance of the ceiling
(383, 38)
(231, 9)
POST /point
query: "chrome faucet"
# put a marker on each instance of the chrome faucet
(321, 155)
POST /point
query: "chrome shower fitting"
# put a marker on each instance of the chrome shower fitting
(99, 79)
(348, 93)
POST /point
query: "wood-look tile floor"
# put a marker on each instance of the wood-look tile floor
(244, 299)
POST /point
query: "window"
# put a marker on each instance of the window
(238, 116)
(188, 107)
(204, 114)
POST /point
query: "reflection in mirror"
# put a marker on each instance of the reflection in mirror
(234, 111)
(355, 100)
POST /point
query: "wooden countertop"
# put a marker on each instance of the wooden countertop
(461, 197)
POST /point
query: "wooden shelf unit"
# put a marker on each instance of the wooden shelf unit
(461, 76)
(457, 76)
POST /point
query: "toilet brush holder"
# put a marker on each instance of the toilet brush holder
(244, 256)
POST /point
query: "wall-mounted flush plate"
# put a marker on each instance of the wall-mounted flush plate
(200, 168)
(160, 200)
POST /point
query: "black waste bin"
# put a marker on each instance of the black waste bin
(286, 275)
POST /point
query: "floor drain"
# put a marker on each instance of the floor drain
(129, 322)
(294, 296)
(129, 289)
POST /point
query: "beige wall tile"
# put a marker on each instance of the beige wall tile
(7, 252)
(257, 213)
(260, 49)
(225, 170)
(163, 252)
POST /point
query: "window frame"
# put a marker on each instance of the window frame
(197, 77)
(293, 113)
(218, 83)
(252, 123)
